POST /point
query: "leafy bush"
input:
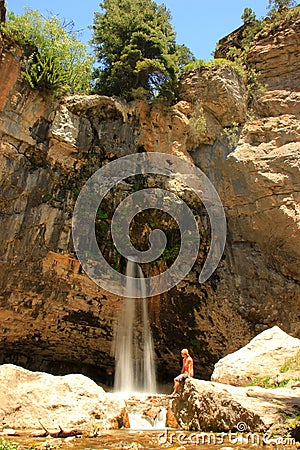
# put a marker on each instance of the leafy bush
(280, 4)
(56, 60)
(194, 65)
(279, 15)
(45, 72)
(232, 134)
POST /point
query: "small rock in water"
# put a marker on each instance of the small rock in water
(152, 412)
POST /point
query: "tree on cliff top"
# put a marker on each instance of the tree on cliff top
(135, 45)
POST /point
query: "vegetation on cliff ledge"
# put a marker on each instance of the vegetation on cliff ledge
(133, 41)
(135, 47)
(55, 60)
(237, 49)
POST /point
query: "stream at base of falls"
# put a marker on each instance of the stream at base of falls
(150, 439)
(149, 430)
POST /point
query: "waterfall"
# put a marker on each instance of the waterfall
(133, 344)
(138, 422)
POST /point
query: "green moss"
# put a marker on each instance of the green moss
(195, 343)
(268, 382)
(117, 261)
(171, 252)
(152, 224)
(103, 225)
(76, 192)
(101, 214)
(290, 425)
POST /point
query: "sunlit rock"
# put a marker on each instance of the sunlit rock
(38, 403)
(262, 357)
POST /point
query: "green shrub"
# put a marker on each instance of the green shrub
(248, 15)
(101, 214)
(200, 63)
(56, 60)
(232, 134)
(194, 65)
(278, 16)
(197, 124)
(46, 198)
(279, 5)
(45, 72)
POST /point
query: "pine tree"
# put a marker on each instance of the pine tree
(248, 16)
(135, 45)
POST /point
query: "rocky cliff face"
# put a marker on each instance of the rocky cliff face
(53, 317)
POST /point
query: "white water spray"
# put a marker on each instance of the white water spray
(133, 343)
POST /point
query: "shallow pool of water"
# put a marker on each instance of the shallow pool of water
(156, 439)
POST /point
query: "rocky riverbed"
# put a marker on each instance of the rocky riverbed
(38, 404)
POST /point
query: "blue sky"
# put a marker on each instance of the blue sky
(199, 24)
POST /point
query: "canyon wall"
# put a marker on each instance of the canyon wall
(53, 316)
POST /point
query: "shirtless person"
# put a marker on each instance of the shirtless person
(186, 371)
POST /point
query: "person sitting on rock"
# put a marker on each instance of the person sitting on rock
(186, 371)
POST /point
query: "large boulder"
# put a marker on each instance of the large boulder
(38, 403)
(208, 406)
(221, 91)
(262, 357)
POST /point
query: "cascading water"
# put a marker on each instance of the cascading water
(133, 343)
